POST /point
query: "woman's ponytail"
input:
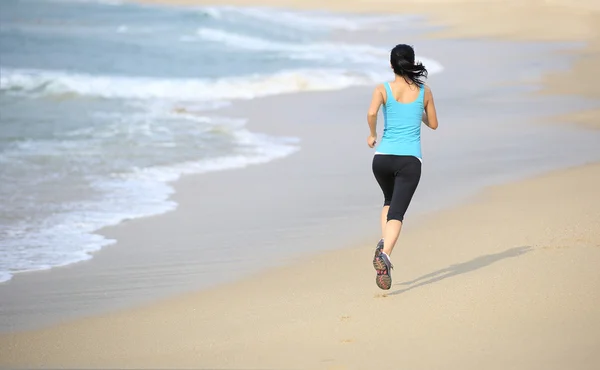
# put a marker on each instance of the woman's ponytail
(402, 59)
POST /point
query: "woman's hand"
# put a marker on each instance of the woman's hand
(371, 141)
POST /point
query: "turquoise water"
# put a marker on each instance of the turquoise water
(104, 103)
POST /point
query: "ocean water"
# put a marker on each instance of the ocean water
(103, 104)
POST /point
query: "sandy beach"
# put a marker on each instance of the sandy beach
(504, 278)
(517, 291)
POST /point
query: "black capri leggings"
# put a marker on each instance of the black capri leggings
(398, 177)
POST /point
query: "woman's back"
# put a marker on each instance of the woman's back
(403, 92)
(403, 111)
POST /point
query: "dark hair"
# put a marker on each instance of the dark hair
(402, 59)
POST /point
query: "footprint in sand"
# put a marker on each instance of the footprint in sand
(555, 247)
(336, 367)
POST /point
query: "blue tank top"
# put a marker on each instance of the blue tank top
(402, 125)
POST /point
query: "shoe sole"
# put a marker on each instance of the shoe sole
(379, 263)
(383, 281)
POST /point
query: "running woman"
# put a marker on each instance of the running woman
(397, 161)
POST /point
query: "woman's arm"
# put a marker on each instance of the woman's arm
(376, 102)
(430, 114)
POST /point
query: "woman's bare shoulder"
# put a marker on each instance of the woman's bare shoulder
(427, 89)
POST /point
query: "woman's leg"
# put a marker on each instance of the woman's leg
(406, 179)
(390, 235)
(405, 184)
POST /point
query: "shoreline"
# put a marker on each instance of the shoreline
(157, 203)
(586, 118)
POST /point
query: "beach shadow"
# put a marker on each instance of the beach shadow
(462, 268)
